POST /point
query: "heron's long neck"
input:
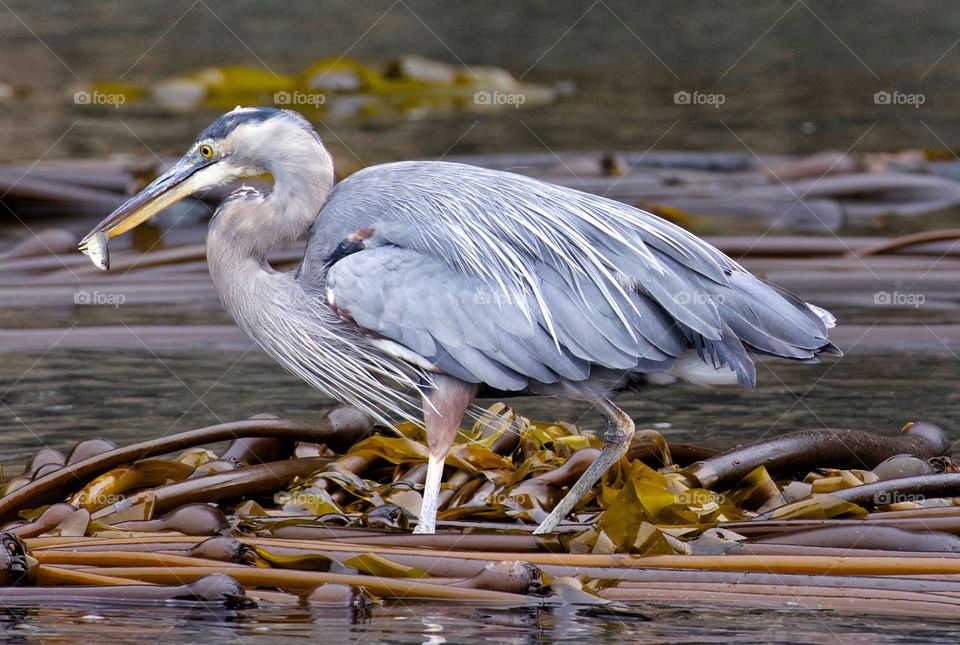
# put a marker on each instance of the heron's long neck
(302, 182)
(249, 225)
(291, 324)
(301, 188)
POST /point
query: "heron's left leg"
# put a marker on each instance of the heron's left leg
(443, 408)
(620, 430)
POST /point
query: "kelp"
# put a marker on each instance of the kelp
(321, 513)
(337, 86)
(45, 489)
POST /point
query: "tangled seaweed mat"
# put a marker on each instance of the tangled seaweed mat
(293, 512)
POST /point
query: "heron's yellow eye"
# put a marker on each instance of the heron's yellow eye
(206, 151)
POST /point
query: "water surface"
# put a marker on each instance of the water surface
(413, 622)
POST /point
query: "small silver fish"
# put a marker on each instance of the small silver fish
(95, 248)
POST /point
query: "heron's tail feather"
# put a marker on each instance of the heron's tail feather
(770, 320)
(829, 320)
(726, 355)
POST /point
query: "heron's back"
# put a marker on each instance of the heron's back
(499, 278)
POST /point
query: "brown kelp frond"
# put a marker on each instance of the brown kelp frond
(320, 512)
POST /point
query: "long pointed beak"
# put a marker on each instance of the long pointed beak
(165, 190)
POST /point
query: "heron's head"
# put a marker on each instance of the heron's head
(246, 142)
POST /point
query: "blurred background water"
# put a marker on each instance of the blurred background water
(796, 76)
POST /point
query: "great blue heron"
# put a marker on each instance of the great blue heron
(459, 282)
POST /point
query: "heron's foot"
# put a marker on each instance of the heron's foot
(620, 430)
(427, 523)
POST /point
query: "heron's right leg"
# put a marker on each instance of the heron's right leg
(443, 408)
(620, 431)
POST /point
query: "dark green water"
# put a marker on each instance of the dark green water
(425, 623)
(795, 76)
(59, 398)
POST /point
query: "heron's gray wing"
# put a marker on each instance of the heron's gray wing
(493, 225)
(463, 326)
(553, 252)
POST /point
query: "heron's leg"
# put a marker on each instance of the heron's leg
(443, 408)
(620, 430)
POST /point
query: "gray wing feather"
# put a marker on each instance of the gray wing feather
(491, 224)
(454, 320)
(574, 279)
